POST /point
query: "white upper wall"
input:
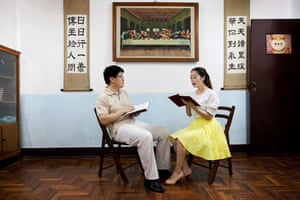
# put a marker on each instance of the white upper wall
(35, 27)
(41, 42)
(294, 8)
(8, 23)
(264, 9)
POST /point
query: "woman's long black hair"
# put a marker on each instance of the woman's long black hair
(203, 73)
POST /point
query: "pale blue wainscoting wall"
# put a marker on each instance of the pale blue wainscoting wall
(68, 120)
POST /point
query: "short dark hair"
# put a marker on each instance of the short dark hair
(111, 71)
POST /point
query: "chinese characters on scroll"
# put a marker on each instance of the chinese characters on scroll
(236, 44)
(76, 44)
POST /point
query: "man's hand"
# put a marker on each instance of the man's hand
(127, 109)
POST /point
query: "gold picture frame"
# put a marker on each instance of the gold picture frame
(155, 32)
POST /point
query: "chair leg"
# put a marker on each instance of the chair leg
(118, 155)
(101, 158)
(210, 164)
(229, 166)
(118, 163)
(213, 172)
(101, 164)
(190, 159)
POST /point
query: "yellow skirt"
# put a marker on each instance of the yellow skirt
(204, 138)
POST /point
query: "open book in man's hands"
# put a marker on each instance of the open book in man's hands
(139, 108)
(177, 99)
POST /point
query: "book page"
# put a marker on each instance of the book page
(139, 108)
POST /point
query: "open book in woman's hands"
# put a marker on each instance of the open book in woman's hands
(177, 99)
(139, 108)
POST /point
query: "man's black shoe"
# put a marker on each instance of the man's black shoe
(153, 185)
(164, 174)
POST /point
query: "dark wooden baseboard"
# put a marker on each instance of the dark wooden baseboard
(239, 148)
(93, 151)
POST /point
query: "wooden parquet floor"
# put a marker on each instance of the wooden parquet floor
(76, 178)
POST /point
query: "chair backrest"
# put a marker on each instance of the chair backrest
(105, 132)
(226, 112)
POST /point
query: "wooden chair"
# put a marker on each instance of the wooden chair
(225, 113)
(115, 148)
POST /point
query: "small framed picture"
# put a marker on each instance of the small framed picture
(278, 43)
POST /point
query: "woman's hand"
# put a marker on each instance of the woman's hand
(201, 112)
(187, 107)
